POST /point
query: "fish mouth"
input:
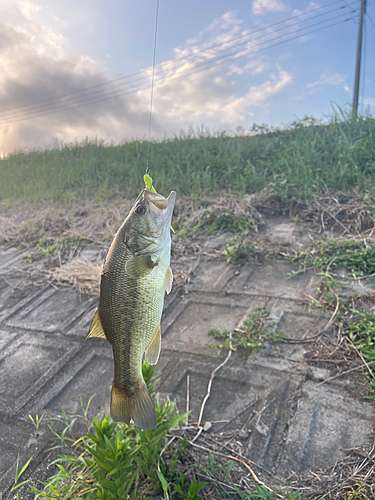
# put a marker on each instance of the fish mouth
(160, 206)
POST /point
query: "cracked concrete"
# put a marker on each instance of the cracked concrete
(292, 421)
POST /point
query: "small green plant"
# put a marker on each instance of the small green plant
(193, 489)
(19, 473)
(45, 248)
(360, 329)
(37, 421)
(228, 220)
(258, 493)
(252, 334)
(356, 256)
(351, 316)
(115, 461)
(218, 221)
(237, 248)
(361, 491)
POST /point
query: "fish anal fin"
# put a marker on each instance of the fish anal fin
(96, 328)
(140, 265)
(153, 349)
(136, 407)
(168, 280)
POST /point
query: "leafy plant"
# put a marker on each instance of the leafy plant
(37, 421)
(228, 220)
(19, 473)
(361, 331)
(237, 248)
(112, 461)
(43, 247)
(355, 255)
(252, 334)
(217, 221)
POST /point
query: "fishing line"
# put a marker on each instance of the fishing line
(6, 113)
(152, 84)
(137, 87)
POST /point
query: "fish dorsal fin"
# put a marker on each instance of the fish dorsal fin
(96, 328)
(140, 265)
(168, 280)
(153, 349)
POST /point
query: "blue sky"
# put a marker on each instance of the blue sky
(53, 48)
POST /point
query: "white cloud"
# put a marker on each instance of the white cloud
(335, 79)
(256, 67)
(28, 8)
(368, 101)
(261, 6)
(311, 6)
(38, 66)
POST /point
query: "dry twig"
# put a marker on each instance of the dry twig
(211, 379)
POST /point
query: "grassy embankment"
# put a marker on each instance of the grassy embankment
(305, 159)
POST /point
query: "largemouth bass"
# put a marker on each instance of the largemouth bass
(135, 277)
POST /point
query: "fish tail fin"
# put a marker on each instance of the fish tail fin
(136, 408)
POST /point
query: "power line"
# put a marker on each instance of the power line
(140, 74)
(97, 99)
(174, 78)
(353, 19)
(139, 88)
(368, 15)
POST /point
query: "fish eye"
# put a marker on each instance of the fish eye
(140, 210)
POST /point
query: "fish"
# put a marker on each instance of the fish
(135, 276)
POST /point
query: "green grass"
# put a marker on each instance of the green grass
(306, 158)
(237, 248)
(357, 256)
(251, 335)
(119, 462)
(214, 222)
(116, 461)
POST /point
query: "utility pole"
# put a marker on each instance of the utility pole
(362, 11)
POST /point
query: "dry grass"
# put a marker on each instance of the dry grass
(338, 213)
(81, 274)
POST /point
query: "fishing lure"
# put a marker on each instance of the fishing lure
(148, 183)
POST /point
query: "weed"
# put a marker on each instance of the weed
(228, 220)
(361, 491)
(192, 491)
(355, 255)
(299, 161)
(218, 221)
(258, 493)
(19, 473)
(43, 247)
(237, 248)
(361, 331)
(115, 461)
(252, 334)
(37, 421)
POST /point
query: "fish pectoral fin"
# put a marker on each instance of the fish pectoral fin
(141, 265)
(96, 328)
(168, 280)
(153, 349)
